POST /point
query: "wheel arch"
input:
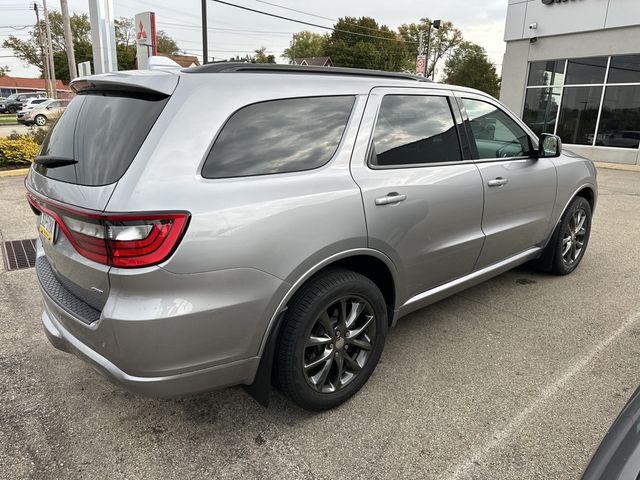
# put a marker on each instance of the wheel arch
(371, 263)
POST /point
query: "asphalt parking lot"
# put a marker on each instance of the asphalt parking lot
(516, 378)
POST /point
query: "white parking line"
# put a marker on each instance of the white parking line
(500, 436)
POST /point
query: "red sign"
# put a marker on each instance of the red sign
(141, 34)
(420, 65)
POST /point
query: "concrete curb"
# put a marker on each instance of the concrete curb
(618, 166)
(14, 173)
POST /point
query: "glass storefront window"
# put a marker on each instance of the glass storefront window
(541, 109)
(578, 114)
(549, 72)
(624, 69)
(586, 70)
(620, 119)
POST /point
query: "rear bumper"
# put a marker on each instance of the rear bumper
(233, 373)
(162, 334)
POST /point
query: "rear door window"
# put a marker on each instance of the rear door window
(414, 130)
(278, 136)
(103, 133)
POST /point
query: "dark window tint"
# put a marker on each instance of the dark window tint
(549, 72)
(103, 132)
(496, 134)
(620, 119)
(541, 109)
(578, 114)
(624, 69)
(586, 70)
(279, 136)
(414, 129)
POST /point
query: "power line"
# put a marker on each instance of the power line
(195, 27)
(311, 24)
(297, 11)
(320, 16)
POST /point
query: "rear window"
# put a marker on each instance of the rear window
(103, 132)
(278, 136)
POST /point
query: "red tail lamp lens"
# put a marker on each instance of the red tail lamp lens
(125, 241)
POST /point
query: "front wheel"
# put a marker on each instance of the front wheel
(573, 236)
(41, 120)
(332, 339)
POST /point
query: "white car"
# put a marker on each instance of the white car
(32, 103)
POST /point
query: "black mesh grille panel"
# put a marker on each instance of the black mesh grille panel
(61, 295)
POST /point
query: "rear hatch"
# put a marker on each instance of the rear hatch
(84, 155)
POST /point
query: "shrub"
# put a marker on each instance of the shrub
(18, 152)
(37, 134)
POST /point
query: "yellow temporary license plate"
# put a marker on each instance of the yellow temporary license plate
(47, 227)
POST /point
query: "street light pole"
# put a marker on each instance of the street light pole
(45, 58)
(68, 39)
(435, 24)
(52, 67)
(205, 47)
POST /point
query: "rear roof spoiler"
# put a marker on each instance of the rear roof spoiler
(154, 82)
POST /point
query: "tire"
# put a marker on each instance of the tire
(570, 237)
(319, 376)
(40, 120)
(12, 109)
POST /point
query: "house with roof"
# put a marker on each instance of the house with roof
(314, 61)
(10, 85)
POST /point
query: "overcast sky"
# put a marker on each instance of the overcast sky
(236, 32)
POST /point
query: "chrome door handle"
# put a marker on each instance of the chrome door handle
(498, 182)
(391, 198)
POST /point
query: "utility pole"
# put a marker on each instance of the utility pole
(45, 58)
(52, 67)
(68, 39)
(435, 24)
(205, 48)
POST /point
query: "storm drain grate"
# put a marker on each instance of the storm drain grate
(19, 254)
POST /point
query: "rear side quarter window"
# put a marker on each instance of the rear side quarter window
(279, 136)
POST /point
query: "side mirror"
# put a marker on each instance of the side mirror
(550, 146)
(48, 108)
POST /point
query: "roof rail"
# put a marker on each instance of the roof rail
(239, 67)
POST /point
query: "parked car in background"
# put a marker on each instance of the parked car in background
(14, 102)
(618, 456)
(290, 229)
(31, 103)
(43, 113)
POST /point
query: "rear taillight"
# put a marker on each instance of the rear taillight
(118, 240)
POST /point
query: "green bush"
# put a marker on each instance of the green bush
(37, 134)
(18, 152)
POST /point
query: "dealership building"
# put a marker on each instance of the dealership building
(572, 67)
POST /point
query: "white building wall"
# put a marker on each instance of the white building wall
(571, 29)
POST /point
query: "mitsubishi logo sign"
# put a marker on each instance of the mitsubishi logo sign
(141, 34)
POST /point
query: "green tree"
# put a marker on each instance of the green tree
(469, 66)
(262, 57)
(166, 44)
(442, 42)
(4, 71)
(381, 49)
(29, 50)
(306, 44)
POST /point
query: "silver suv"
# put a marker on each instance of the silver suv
(242, 224)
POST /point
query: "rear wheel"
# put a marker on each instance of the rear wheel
(332, 339)
(12, 109)
(573, 236)
(41, 120)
